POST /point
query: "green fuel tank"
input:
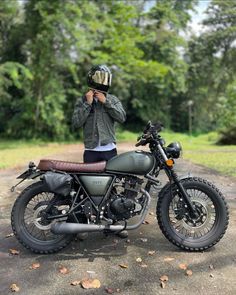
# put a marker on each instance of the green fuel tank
(134, 162)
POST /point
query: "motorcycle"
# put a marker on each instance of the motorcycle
(72, 198)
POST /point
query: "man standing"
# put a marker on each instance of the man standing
(97, 112)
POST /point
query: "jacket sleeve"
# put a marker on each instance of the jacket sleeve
(81, 112)
(115, 109)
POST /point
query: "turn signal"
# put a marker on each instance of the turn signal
(169, 162)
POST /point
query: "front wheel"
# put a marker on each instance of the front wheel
(30, 226)
(185, 231)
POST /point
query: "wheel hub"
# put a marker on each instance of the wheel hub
(40, 220)
(201, 215)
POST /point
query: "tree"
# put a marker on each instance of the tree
(115, 38)
(160, 97)
(50, 29)
(227, 112)
(47, 48)
(13, 75)
(212, 63)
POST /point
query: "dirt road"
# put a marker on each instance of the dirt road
(213, 272)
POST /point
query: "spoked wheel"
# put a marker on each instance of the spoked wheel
(194, 233)
(29, 222)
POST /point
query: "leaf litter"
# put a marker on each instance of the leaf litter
(123, 265)
(35, 265)
(168, 259)
(151, 253)
(90, 283)
(63, 270)
(183, 266)
(14, 288)
(14, 252)
(189, 272)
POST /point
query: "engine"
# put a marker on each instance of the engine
(125, 201)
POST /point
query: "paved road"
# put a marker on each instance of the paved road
(214, 271)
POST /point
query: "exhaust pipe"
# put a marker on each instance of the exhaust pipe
(74, 228)
(59, 228)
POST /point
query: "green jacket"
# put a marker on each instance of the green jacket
(98, 120)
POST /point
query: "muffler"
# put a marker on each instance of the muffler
(60, 228)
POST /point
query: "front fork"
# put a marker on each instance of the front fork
(174, 177)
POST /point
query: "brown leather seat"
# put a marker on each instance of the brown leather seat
(46, 164)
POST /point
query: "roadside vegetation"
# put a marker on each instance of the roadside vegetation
(17, 153)
(200, 149)
(162, 71)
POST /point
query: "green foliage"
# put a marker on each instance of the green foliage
(58, 41)
(14, 77)
(158, 97)
(50, 30)
(47, 48)
(212, 66)
(227, 112)
(12, 73)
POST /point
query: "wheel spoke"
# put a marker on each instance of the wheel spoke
(188, 226)
(33, 221)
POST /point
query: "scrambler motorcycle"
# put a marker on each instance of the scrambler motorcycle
(72, 198)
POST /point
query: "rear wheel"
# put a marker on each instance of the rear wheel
(177, 224)
(29, 223)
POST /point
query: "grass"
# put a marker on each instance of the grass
(126, 136)
(203, 150)
(199, 149)
(14, 153)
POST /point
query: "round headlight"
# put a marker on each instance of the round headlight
(174, 150)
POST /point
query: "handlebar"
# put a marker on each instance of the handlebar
(140, 142)
(150, 132)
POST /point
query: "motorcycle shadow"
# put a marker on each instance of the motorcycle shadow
(98, 245)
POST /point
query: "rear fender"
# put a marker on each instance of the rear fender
(31, 173)
(28, 174)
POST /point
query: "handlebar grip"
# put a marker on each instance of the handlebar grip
(141, 142)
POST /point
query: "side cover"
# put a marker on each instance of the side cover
(96, 185)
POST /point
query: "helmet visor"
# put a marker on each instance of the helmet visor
(102, 77)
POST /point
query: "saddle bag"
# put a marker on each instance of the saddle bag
(58, 183)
